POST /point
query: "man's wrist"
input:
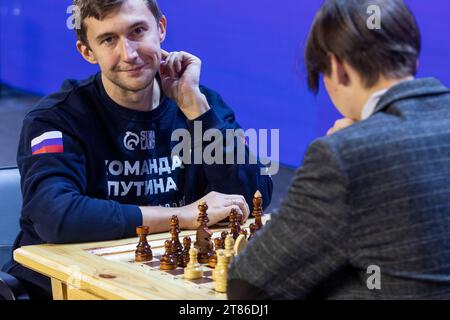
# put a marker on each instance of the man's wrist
(194, 105)
(181, 218)
(157, 218)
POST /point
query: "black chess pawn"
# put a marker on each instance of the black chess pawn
(223, 236)
(217, 246)
(253, 229)
(185, 254)
(167, 261)
(239, 219)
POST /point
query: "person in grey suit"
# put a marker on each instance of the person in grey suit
(368, 214)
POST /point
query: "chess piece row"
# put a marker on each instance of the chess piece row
(225, 247)
(216, 256)
(223, 258)
(203, 242)
(225, 251)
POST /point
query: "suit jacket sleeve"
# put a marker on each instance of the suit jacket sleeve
(305, 243)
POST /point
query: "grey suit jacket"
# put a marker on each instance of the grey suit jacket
(372, 197)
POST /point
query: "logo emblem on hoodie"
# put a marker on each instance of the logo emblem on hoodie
(130, 141)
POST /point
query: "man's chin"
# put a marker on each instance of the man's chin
(134, 84)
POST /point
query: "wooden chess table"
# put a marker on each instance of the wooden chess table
(108, 270)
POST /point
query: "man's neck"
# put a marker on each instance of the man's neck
(143, 100)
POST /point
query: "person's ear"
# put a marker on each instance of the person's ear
(339, 71)
(162, 29)
(86, 52)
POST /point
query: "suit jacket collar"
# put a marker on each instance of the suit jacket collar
(411, 89)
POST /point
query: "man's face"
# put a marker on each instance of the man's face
(126, 45)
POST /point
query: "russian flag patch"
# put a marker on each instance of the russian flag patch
(48, 142)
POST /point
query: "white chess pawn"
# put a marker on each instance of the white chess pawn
(229, 245)
(220, 273)
(193, 269)
(219, 252)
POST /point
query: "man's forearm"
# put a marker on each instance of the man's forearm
(158, 218)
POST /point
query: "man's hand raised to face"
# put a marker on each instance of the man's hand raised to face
(180, 77)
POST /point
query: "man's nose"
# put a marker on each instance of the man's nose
(129, 51)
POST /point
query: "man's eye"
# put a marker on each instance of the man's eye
(108, 40)
(138, 30)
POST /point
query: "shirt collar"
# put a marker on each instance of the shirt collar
(370, 105)
(372, 102)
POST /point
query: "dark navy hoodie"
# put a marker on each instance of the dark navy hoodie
(87, 164)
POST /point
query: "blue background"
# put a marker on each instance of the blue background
(251, 52)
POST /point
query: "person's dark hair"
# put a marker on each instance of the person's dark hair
(99, 9)
(340, 27)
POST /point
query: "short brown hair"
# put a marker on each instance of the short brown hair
(99, 9)
(340, 27)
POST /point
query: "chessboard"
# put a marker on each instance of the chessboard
(126, 254)
(230, 241)
(126, 269)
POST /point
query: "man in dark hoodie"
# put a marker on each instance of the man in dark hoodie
(96, 158)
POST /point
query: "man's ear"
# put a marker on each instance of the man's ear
(339, 70)
(86, 52)
(162, 29)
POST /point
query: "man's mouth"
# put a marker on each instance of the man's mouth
(134, 69)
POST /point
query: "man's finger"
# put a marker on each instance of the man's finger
(164, 54)
(178, 65)
(241, 198)
(242, 204)
(248, 211)
(169, 62)
(247, 206)
(233, 196)
(164, 72)
(245, 209)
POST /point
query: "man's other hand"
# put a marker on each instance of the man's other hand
(219, 207)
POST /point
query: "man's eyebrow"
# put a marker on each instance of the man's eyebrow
(134, 25)
(102, 36)
(105, 35)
